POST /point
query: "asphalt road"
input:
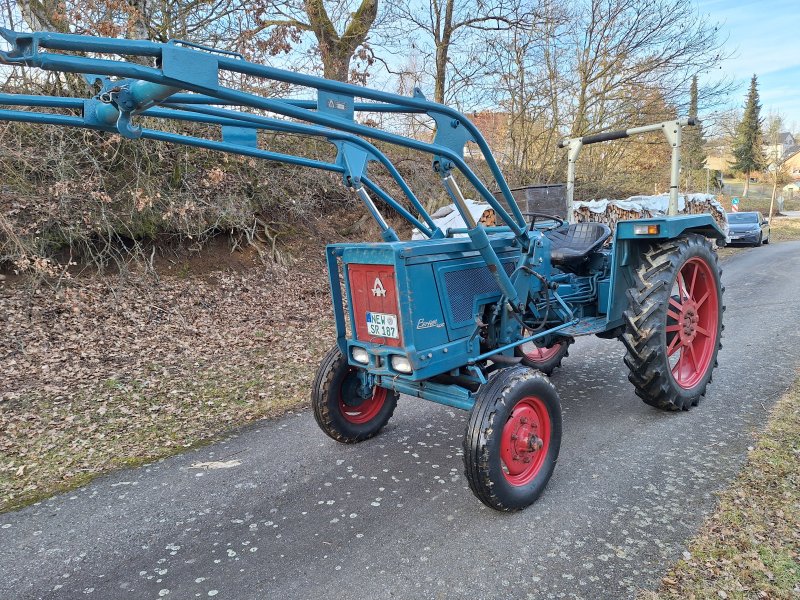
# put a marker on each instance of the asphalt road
(303, 517)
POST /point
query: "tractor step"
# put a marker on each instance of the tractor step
(588, 326)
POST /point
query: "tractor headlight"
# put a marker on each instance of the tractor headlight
(360, 355)
(401, 364)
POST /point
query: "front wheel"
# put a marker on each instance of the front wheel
(544, 359)
(512, 440)
(674, 322)
(342, 409)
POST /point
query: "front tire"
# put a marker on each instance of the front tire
(674, 323)
(513, 438)
(339, 409)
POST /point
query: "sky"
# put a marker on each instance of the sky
(764, 36)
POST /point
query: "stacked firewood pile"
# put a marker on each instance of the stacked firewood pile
(601, 211)
(643, 207)
(488, 218)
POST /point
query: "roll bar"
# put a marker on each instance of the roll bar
(672, 131)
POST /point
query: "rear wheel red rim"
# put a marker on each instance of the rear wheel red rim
(525, 441)
(536, 354)
(365, 411)
(692, 323)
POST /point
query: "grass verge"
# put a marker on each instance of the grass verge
(784, 230)
(750, 547)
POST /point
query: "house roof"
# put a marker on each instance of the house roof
(792, 155)
(791, 150)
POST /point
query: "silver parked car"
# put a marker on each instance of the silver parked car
(748, 228)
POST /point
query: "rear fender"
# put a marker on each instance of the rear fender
(629, 246)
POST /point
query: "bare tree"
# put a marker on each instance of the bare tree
(43, 15)
(524, 83)
(445, 32)
(621, 45)
(335, 49)
(775, 158)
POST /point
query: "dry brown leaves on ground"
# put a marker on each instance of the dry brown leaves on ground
(106, 372)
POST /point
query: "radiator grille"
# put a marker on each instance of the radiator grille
(464, 285)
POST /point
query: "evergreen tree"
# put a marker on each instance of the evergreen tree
(694, 154)
(747, 149)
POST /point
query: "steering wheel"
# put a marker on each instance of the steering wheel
(559, 221)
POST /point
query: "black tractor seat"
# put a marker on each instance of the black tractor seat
(570, 245)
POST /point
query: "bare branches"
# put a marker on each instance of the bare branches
(532, 71)
(43, 15)
(452, 37)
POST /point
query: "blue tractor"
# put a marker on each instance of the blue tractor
(474, 317)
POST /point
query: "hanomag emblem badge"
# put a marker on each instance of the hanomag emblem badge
(378, 289)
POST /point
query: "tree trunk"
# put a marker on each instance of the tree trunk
(441, 73)
(772, 201)
(335, 66)
(137, 30)
(335, 50)
(43, 15)
(746, 185)
(443, 52)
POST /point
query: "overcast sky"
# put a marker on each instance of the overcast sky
(765, 38)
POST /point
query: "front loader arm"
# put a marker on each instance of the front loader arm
(199, 71)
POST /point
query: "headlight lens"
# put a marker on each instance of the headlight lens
(401, 364)
(360, 355)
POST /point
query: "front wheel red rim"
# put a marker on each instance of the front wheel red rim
(525, 441)
(692, 323)
(364, 412)
(536, 354)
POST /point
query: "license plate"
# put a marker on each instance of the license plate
(382, 325)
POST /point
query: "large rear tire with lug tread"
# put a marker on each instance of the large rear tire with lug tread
(674, 322)
(546, 359)
(340, 411)
(513, 437)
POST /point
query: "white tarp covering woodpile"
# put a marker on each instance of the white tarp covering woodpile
(602, 211)
(644, 207)
(448, 217)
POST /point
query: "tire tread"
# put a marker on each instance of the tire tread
(497, 393)
(644, 317)
(331, 364)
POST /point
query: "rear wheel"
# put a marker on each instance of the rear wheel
(512, 440)
(545, 359)
(342, 409)
(674, 323)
